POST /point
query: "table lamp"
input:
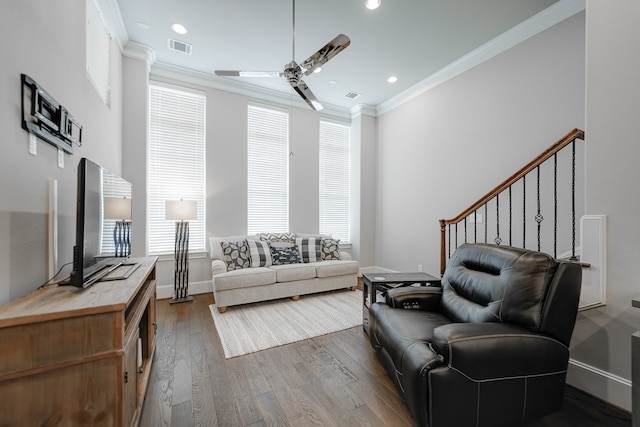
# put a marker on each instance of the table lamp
(181, 211)
(119, 208)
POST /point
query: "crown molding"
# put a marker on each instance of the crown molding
(141, 52)
(363, 110)
(113, 17)
(281, 99)
(538, 23)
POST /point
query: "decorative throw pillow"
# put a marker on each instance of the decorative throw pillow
(330, 249)
(260, 253)
(282, 256)
(235, 255)
(309, 249)
(278, 237)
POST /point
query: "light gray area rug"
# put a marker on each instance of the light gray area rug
(253, 327)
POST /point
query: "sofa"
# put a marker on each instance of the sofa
(266, 266)
(490, 347)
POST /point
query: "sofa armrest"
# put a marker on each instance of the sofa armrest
(413, 298)
(346, 256)
(217, 267)
(498, 350)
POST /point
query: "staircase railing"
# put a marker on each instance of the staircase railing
(517, 184)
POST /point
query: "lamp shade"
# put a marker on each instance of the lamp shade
(181, 210)
(117, 208)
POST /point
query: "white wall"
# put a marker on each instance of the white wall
(603, 336)
(46, 40)
(445, 149)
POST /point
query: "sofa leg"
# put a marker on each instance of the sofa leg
(295, 297)
(222, 309)
(352, 288)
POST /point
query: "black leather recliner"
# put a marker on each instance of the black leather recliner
(488, 348)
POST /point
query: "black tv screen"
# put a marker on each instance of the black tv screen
(92, 229)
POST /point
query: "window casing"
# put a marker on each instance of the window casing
(267, 170)
(176, 163)
(335, 180)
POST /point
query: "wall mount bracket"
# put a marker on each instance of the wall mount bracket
(47, 119)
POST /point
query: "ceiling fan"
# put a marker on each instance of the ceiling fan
(293, 71)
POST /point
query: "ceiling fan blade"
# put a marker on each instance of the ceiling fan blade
(327, 52)
(306, 94)
(234, 73)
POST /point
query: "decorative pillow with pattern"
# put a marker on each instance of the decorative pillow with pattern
(330, 249)
(281, 256)
(309, 249)
(260, 253)
(236, 255)
(278, 237)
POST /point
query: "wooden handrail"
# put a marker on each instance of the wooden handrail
(542, 157)
(563, 142)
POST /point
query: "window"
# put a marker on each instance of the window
(176, 163)
(335, 180)
(98, 51)
(267, 170)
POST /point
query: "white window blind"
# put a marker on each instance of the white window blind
(335, 180)
(176, 163)
(98, 51)
(267, 170)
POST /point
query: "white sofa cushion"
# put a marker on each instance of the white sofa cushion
(333, 268)
(244, 278)
(293, 272)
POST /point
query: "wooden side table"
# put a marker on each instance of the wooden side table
(374, 283)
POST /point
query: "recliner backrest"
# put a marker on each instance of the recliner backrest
(490, 283)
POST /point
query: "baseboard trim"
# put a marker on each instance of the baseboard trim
(166, 291)
(604, 385)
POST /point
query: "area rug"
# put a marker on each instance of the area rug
(248, 328)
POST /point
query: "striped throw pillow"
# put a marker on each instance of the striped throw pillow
(309, 249)
(260, 253)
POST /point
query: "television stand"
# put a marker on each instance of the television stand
(75, 356)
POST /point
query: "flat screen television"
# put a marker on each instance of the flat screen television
(91, 263)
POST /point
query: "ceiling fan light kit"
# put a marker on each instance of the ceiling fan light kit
(293, 71)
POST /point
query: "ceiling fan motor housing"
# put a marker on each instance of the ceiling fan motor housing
(293, 72)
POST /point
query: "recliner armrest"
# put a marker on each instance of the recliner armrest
(413, 298)
(498, 350)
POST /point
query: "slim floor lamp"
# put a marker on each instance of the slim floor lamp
(181, 211)
(119, 208)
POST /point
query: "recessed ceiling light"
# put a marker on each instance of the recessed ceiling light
(372, 4)
(333, 82)
(392, 79)
(143, 25)
(317, 70)
(179, 28)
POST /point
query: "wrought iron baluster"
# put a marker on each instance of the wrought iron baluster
(449, 240)
(486, 222)
(510, 217)
(475, 226)
(456, 233)
(555, 205)
(498, 240)
(573, 201)
(465, 229)
(524, 211)
(539, 218)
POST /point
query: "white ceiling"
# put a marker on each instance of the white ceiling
(411, 39)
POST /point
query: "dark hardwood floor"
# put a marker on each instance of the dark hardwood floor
(333, 380)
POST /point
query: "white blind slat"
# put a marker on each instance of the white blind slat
(267, 170)
(176, 164)
(335, 180)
